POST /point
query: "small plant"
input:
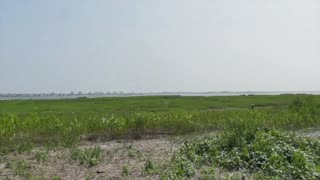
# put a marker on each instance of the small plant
(6, 178)
(148, 166)
(8, 165)
(208, 173)
(180, 167)
(56, 178)
(89, 176)
(24, 147)
(35, 178)
(133, 153)
(125, 171)
(151, 168)
(21, 168)
(41, 157)
(89, 156)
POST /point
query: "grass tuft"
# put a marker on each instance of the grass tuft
(88, 156)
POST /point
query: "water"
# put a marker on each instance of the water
(161, 94)
(251, 93)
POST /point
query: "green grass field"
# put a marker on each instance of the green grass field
(65, 121)
(25, 124)
(118, 117)
(144, 104)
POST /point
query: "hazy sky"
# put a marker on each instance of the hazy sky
(159, 45)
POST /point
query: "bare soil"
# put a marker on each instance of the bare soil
(116, 155)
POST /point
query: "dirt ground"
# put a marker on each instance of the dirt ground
(124, 159)
(116, 156)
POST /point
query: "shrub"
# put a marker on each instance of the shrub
(269, 152)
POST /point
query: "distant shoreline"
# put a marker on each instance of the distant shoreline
(74, 96)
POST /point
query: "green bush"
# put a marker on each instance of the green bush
(272, 153)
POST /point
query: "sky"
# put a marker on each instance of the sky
(155, 46)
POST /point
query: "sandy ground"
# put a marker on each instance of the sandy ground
(115, 156)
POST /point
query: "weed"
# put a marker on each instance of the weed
(208, 173)
(35, 178)
(89, 176)
(56, 178)
(125, 171)
(88, 156)
(148, 166)
(6, 178)
(24, 147)
(21, 168)
(180, 167)
(151, 168)
(41, 157)
(133, 153)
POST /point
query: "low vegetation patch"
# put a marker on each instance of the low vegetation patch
(41, 156)
(252, 141)
(20, 168)
(88, 156)
(266, 153)
(125, 171)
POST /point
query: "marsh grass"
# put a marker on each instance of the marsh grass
(66, 122)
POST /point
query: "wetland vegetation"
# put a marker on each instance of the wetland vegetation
(206, 137)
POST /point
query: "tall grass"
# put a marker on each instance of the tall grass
(68, 128)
